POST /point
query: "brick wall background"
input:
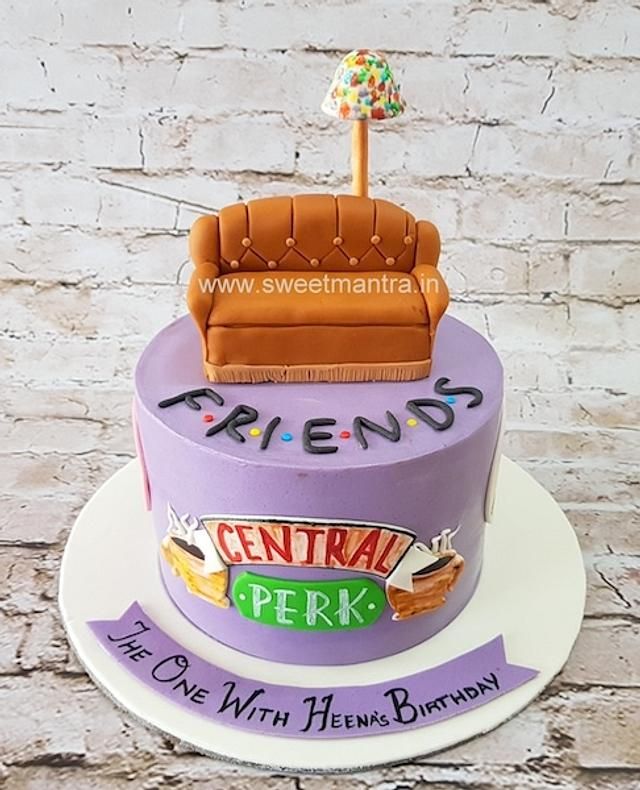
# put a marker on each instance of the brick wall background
(121, 121)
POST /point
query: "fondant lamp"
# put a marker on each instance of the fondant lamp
(363, 89)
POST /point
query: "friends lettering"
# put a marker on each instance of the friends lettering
(316, 433)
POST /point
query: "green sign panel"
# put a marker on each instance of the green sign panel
(309, 605)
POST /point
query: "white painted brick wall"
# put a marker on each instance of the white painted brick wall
(121, 122)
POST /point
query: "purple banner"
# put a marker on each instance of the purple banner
(158, 661)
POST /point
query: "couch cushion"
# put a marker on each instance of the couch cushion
(317, 345)
(317, 298)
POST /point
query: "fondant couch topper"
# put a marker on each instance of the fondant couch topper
(319, 287)
(416, 578)
(316, 288)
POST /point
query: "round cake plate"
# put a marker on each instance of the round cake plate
(532, 590)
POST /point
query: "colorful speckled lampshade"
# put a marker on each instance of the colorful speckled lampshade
(363, 90)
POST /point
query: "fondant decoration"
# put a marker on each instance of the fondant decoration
(191, 554)
(208, 418)
(429, 585)
(417, 406)
(441, 387)
(190, 398)
(418, 558)
(417, 577)
(146, 487)
(392, 433)
(363, 89)
(218, 695)
(268, 432)
(310, 435)
(240, 415)
(243, 415)
(371, 314)
(310, 543)
(340, 605)
(492, 484)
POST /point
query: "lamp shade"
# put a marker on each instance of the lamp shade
(363, 89)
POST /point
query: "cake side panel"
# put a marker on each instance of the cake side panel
(420, 498)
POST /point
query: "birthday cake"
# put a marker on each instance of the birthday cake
(319, 441)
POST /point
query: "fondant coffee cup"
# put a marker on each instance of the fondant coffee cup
(430, 587)
(187, 561)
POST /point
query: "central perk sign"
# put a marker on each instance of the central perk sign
(385, 565)
(310, 605)
(370, 548)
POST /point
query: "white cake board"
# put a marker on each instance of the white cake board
(532, 590)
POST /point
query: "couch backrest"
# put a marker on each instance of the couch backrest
(316, 233)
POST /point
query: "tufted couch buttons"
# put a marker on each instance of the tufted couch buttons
(337, 241)
(353, 261)
(375, 239)
(408, 240)
(272, 265)
(314, 262)
(390, 261)
(290, 242)
(235, 264)
(246, 242)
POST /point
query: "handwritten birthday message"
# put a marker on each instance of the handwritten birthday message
(155, 659)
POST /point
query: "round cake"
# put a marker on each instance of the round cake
(319, 523)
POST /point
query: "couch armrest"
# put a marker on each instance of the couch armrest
(204, 250)
(204, 244)
(427, 243)
(200, 294)
(434, 292)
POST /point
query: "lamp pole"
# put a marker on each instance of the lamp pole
(360, 158)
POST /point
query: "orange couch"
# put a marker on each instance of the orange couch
(316, 288)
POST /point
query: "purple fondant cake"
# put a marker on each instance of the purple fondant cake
(320, 443)
(319, 523)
